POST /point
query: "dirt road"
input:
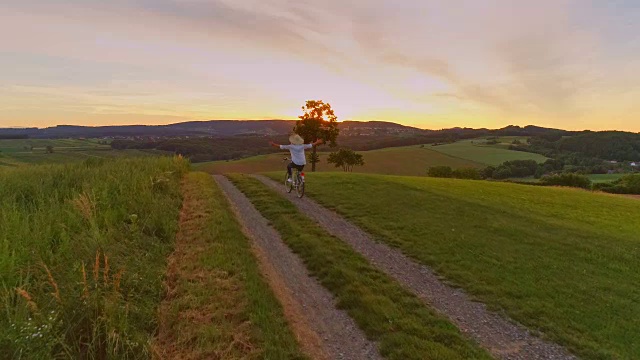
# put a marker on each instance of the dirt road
(323, 331)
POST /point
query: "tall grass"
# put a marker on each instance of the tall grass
(82, 254)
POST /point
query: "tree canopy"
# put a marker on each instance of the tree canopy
(317, 122)
(345, 158)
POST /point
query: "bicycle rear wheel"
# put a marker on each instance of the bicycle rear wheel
(288, 185)
(300, 187)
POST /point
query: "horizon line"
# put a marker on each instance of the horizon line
(275, 119)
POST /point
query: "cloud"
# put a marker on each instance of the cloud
(489, 60)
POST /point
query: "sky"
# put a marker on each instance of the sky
(571, 64)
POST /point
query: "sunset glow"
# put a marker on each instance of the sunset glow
(572, 64)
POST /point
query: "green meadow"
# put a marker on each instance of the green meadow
(602, 178)
(477, 150)
(561, 261)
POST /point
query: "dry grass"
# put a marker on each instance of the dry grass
(33, 307)
(217, 306)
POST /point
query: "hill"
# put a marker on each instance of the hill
(221, 128)
(218, 128)
(231, 140)
(407, 160)
(608, 145)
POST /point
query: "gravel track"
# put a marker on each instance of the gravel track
(339, 335)
(504, 338)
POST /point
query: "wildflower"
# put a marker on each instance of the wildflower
(56, 291)
(30, 303)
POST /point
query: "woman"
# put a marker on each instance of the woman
(296, 148)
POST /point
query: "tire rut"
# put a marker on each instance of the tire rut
(315, 316)
(501, 336)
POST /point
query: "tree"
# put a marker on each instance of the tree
(574, 180)
(314, 158)
(487, 173)
(502, 172)
(345, 158)
(317, 122)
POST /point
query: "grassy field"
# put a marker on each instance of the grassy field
(404, 327)
(83, 253)
(34, 151)
(506, 141)
(22, 145)
(475, 150)
(562, 261)
(407, 160)
(595, 178)
(602, 178)
(410, 160)
(220, 306)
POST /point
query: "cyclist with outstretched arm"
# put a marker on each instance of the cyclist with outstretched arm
(296, 148)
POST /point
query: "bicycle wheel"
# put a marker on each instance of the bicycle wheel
(300, 187)
(288, 185)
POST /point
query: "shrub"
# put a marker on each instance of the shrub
(440, 171)
(629, 184)
(602, 186)
(487, 173)
(345, 158)
(502, 172)
(467, 173)
(566, 179)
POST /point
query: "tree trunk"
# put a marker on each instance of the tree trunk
(313, 158)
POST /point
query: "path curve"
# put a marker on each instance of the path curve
(501, 336)
(339, 335)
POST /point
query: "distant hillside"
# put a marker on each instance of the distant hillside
(606, 145)
(192, 128)
(218, 128)
(224, 128)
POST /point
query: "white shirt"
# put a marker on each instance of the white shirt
(297, 152)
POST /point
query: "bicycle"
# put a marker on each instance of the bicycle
(297, 182)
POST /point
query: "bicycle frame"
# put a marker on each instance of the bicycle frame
(297, 181)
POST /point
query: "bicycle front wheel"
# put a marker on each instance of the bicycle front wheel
(288, 185)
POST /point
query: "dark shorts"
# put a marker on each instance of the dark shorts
(294, 166)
